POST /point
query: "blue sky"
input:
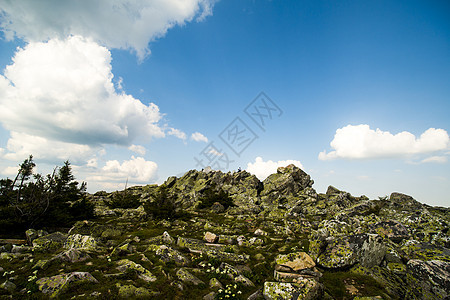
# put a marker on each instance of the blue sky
(362, 86)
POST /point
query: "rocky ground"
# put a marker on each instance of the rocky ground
(280, 240)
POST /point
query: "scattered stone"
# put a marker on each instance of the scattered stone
(260, 232)
(167, 239)
(210, 237)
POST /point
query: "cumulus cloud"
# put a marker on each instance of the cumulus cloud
(360, 142)
(113, 23)
(47, 103)
(177, 133)
(262, 169)
(21, 145)
(135, 170)
(198, 137)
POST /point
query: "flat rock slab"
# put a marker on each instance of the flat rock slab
(296, 261)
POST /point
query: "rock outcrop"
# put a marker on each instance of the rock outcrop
(276, 239)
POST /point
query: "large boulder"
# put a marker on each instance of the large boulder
(429, 279)
(126, 265)
(49, 242)
(345, 251)
(296, 261)
(288, 180)
(54, 285)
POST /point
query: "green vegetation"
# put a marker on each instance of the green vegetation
(162, 205)
(35, 201)
(211, 196)
(346, 285)
(124, 199)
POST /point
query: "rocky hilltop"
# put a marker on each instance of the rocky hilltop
(214, 235)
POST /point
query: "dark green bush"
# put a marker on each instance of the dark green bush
(162, 205)
(34, 201)
(124, 199)
(211, 196)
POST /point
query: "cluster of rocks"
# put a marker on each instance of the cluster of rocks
(281, 240)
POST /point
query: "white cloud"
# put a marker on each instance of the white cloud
(138, 149)
(135, 170)
(113, 23)
(435, 159)
(262, 169)
(21, 145)
(12, 171)
(177, 133)
(45, 92)
(198, 137)
(47, 103)
(359, 142)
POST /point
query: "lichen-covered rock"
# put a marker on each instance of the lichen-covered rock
(288, 180)
(126, 265)
(215, 284)
(168, 254)
(79, 241)
(8, 285)
(392, 230)
(49, 242)
(130, 291)
(304, 289)
(243, 280)
(53, 286)
(412, 249)
(345, 251)
(215, 251)
(167, 239)
(72, 256)
(429, 279)
(296, 261)
(33, 234)
(124, 249)
(187, 277)
(111, 233)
